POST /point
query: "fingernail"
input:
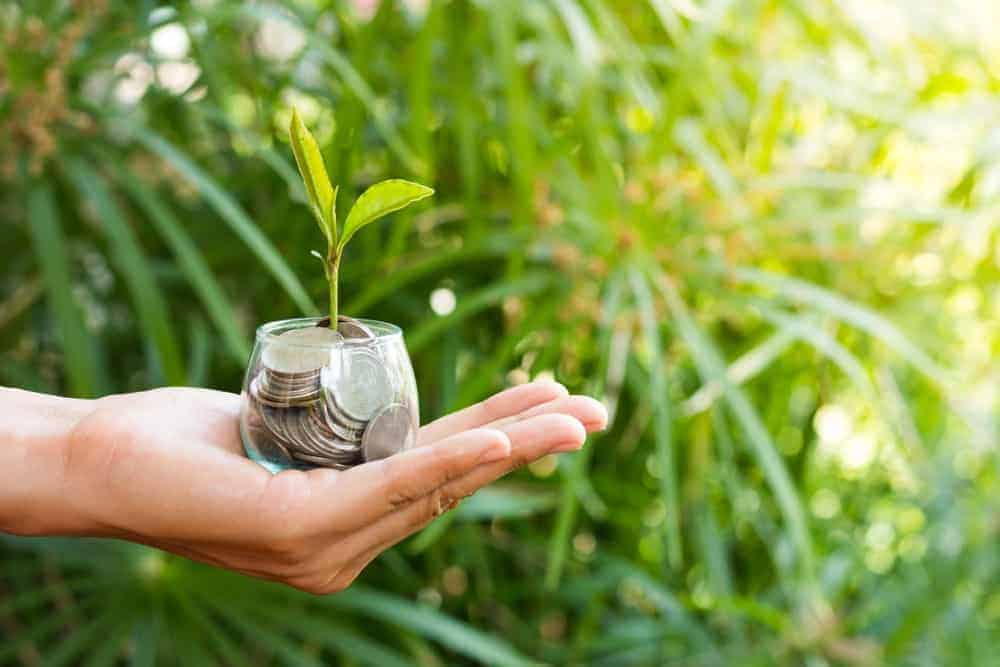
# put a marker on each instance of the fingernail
(570, 446)
(497, 451)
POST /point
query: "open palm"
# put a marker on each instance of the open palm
(166, 468)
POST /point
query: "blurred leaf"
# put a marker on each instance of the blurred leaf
(231, 212)
(662, 423)
(404, 274)
(473, 303)
(348, 644)
(712, 368)
(147, 298)
(85, 378)
(741, 370)
(202, 280)
(428, 622)
(503, 501)
(861, 317)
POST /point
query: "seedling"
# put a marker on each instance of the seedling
(377, 201)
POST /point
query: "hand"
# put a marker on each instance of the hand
(166, 468)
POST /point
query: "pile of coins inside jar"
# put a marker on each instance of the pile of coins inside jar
(325, 397)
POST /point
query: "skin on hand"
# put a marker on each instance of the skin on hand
(166, 468)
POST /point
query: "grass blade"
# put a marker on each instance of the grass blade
(222, 644)
(145, 639)
(662, 419)
(575, 488)
(405, 273)
(504, 501)
(429, 623)
(711, 367)
(741, 370)
(349, 644)
(191, 262)
(230, 211)
(851, 313)
(289, 652)
(690, 138)
(808, 331)
(50, 248)
(147, 299)
(472, 304)
(94, 632)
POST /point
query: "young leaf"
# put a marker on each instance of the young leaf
(331, 217)
(310, 163)
(379, 200)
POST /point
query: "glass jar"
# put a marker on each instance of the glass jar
(315, 397)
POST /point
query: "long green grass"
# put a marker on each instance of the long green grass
(764, 233)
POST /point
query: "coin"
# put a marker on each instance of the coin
(339, 424)
(277, 392)
(352, 328)
(323, 461)
(360, 386)
(348, 327)
(299, 351)
(389, 432)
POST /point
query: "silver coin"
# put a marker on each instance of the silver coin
(338, 424)
(361, 386)
(338, 418)
(389, 432)
(314, 436)
(277, 394)
(282, 423)
(348, 327)
(269, 446)
(324, 461)
(352, 328)
(300, 351)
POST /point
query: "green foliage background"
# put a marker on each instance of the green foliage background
(764, 232)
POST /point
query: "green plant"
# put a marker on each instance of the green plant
(377, 201)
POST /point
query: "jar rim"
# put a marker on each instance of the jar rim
(270, 332)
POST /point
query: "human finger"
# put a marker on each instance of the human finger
(588, 411)
(530, 440)
(367, 492)
(504, 404)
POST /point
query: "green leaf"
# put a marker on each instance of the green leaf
(429, 622)
(230, 211)
(855, 314)
(127, 255)
(749, 365)
(711, 367)
(310, 162)
(473, 303)
(505, 501)
(191, 262)
(663, 418)
(317, 628)
(380, 200)
(404, 274)
(50, 249)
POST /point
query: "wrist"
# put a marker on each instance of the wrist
(35, 432)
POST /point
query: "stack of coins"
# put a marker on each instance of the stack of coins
(321, 402)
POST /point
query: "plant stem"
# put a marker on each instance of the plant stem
(334, 268)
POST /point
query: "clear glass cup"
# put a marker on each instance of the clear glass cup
(315, 397)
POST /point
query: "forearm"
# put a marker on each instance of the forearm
(35, 432)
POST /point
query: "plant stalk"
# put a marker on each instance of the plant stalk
(333, 267)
